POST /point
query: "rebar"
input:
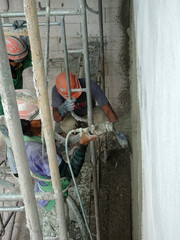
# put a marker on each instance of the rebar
(90, 9)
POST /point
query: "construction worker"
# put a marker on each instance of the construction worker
(39, 165)
(19, 59)
(62, 105)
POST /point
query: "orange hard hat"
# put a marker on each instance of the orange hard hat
(61, 85)
(27, 111)
(16, 49)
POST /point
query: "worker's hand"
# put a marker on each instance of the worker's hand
(18, 24)
(67, 106)
(86, 138)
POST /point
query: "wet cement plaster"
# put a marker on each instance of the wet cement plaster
(114, 193)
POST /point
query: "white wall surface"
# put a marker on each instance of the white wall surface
(157, 33)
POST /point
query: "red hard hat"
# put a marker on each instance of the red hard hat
(61, 85)
(27, 110)
(16, 49)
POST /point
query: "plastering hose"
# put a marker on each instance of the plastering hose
(76, 187)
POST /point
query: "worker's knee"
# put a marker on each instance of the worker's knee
(68, 123)
(99, 115)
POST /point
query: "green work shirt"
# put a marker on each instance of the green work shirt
(18, 81)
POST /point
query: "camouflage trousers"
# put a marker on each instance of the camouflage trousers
(49, 224)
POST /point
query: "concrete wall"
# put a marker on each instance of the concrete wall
(116, 22)
(156, 61)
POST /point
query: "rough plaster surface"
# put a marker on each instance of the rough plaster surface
(158, 57)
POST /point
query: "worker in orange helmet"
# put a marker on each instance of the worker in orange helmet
(39, 164)
(62, 105)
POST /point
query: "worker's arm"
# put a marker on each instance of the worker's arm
(99, 96)
(109, 112)
(78, 157)
(56, 116)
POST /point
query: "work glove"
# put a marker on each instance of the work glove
(18, 24)
(67, 106)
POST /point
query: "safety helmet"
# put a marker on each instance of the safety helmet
(27, 111)
(16, 49)
(61, 85)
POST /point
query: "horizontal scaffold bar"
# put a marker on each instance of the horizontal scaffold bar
(43, 13)
(18, 197)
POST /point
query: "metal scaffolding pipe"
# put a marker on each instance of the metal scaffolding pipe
(15, 132)
(43, 13)
(6, 183)
(75, 51)
(46, 54)
(17, 196)
(67, 66)
(101, 43)
(38, 65)
(86, 61)
(89, 102)
(25, 25)
(65, 55)
(78, 89)
(12, 209)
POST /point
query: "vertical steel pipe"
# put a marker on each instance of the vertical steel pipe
(46, 54)
(86, 61)
(65, 55)
(41, 88)
(90, 115)
(64, 40)
(101, 42)
(15, 133)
